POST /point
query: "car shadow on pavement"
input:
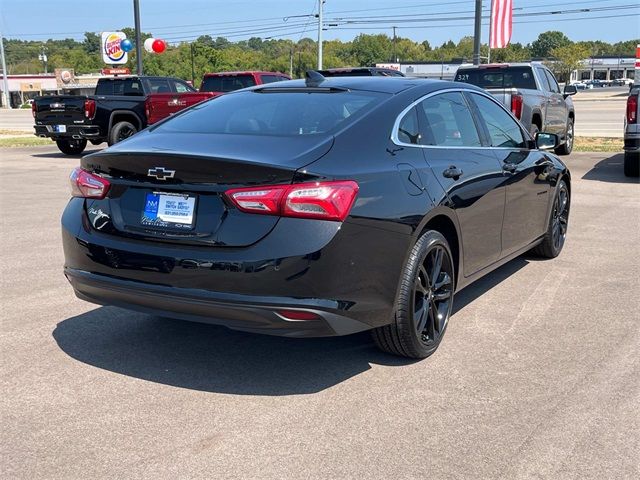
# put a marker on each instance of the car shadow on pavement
(215, 359)
(611, 169)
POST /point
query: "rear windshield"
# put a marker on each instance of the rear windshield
(274, 114)
(506, 77)
(123, 86)
(227, 84)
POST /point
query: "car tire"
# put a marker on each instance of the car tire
(71, 146)
(424, 302)
(631, 164)
(121, 131)
(567, 147)
(556, 233)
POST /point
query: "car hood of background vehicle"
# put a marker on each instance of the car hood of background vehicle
(290, 153)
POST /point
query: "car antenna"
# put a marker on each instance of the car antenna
(313, 78)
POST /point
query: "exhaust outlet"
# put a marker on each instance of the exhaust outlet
(76, 137)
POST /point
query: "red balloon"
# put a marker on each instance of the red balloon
(158, 45)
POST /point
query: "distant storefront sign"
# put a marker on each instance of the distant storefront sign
(30, 87)
(116, 71)
(112, 53)
(65, 77)
(390, 66)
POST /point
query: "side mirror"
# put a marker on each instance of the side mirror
(570, 89)
(546, 141)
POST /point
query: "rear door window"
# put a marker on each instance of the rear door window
(449, 122)
(160, 85)
(182, 87)
(227, 83)
(543, 79)
(552, 82)
(503, 130)
(408, 130)
(502, 77)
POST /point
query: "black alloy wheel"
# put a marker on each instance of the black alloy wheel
(71, 146)
(556, 234)
(560, 217)
(121, 131)
(425, 301)
(432, 296)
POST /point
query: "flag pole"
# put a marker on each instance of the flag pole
(490, 24)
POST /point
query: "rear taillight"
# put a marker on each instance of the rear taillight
(516, 105)
(87, 185)
(34, 109)
(89, 109)
(320, 200)
(632, 109)
(147, 110)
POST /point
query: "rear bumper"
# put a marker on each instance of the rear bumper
(239, 312)
(346, 274)
(632, 142)
(73, 131)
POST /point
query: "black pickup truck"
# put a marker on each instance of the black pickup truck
(116, 111)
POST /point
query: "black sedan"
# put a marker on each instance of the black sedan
(316, 208)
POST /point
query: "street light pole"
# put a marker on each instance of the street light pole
(5, 82)
(136, 19)
(477, 33)
(320, 2)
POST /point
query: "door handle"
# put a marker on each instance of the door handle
(452, 172)
(509, 167)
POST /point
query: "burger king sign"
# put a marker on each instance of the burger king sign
(112, 52)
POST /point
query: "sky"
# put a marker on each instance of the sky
(185, 20)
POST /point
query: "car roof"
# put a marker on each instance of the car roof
(245, 72)
(373, 84)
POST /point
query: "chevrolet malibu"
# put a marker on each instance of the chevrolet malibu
(316, 207)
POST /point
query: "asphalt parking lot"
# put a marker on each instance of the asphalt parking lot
(537, 377)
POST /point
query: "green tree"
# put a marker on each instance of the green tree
(91, 43)
(547, 41)
(567, 59)
(370, 49)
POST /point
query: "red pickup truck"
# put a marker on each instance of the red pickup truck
(160, 105)
(224, 82)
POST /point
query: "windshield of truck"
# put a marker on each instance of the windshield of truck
(226, 83)
(501, 77)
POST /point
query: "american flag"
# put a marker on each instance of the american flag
(501, 23)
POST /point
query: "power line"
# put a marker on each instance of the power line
(269, 19)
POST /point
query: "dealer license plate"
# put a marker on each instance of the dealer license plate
(60, 128)
(169, 210)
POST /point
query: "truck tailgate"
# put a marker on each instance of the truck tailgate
(59, 110)
(161, 105)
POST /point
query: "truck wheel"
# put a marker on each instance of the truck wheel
(567, 146)
(71, 146)
(121, 131)
(631, 164)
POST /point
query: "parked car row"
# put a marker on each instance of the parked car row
(122, 106)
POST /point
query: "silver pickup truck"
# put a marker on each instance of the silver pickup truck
(532, 94)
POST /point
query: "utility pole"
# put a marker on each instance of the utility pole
(136, 19)
(395, 56)
(477, 33)
(5, 82)
(193, 67)
(320, 2)
(291, 62)
(43, 58)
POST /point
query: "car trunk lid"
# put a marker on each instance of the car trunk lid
(192, 183)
